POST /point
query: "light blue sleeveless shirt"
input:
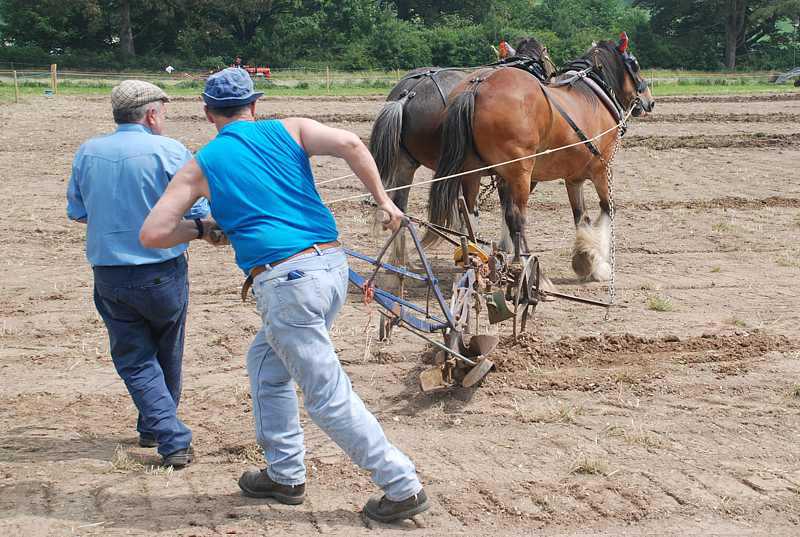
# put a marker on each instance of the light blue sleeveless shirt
(263, 194)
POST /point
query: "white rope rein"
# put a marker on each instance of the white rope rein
(437, 179)
(335, 179)
(326, 181)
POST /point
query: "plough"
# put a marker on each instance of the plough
(504, 286)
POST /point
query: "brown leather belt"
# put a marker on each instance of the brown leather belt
(255, 271)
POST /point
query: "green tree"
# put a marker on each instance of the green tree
(125, 31)
(399, 44)
(432, 11)
(54, 24)
(727, 29)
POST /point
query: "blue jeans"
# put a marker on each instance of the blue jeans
(144, 309)
(293, 346)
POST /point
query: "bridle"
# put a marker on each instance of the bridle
(632, 66)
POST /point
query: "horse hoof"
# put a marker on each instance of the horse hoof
(602, 273)
(582, 264)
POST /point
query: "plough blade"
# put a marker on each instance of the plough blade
(497, 307)
(432, 380)
(480, 345)
(477, 373)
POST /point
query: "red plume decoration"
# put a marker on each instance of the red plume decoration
(503, 50)
(623, 42)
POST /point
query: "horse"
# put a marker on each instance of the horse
(495, 116)
(407, 131)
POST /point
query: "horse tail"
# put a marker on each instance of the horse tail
(384, 141)
(457, 144)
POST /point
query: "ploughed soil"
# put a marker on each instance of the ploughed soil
(677, 415)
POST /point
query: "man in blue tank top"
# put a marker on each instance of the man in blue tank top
(257, 177)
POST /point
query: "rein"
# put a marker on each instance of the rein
(616, 127)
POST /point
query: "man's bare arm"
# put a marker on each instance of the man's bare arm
(165, 226)
(317, 139)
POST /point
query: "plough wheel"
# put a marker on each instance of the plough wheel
(527, 296)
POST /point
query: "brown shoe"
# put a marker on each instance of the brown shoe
(385, 510)
(257, 484)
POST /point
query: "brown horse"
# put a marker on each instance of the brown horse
(502, 115)
(407, 132)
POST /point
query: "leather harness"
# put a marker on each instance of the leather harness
(529, 65)
(589, 144)
(585, 71)
(431, 73)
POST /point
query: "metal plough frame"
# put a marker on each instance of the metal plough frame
(455, 359)
(460, 360)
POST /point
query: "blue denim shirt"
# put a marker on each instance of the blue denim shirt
(116, 180)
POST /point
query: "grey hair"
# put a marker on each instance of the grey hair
(135, 115)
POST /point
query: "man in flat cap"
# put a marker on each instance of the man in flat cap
(257, 177)
(142, 294)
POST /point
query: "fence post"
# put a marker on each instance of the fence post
(328, 78)
(16, 87)
(54, 78)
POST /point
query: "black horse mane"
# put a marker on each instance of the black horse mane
(611, 66)
(530, 47)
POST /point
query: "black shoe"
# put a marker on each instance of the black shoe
(257, 484)
(147, 440)
(385, 510)
(179, 459)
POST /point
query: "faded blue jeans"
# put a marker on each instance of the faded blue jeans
(293, 346)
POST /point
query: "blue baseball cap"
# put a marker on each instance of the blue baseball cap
(229, 87)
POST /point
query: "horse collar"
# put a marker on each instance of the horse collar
(532, 66)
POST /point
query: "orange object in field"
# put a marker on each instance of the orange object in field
(258, 71)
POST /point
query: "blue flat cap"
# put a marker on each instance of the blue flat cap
(229, 87)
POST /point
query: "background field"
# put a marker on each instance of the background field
(34, 80)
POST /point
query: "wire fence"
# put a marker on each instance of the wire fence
(37, 75)
(289, 77)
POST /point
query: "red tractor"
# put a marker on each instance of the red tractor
(258, 71)
(253, 71)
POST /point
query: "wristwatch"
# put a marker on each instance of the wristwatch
(200, 228)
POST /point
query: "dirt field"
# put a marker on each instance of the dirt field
(679, 422)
